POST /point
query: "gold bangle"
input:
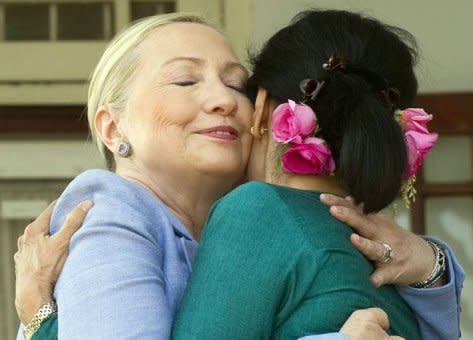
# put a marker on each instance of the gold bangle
(44, 313)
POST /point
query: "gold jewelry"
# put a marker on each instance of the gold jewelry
(44, 313)
(387, 255)
(409, 191)
(260, 133)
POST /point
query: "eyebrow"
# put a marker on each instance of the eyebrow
(226, 67)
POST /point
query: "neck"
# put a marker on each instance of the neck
(323, 183)
(189, 199)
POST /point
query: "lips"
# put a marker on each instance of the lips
(223, 132)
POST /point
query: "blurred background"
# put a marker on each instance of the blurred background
(48, 49)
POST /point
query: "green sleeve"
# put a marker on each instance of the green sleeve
(47, 330)
(233, 293)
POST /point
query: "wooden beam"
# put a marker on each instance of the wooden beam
(448, 189)
(453, 112)
(43, 120)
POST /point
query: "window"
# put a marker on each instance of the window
(141, 9)
(83, 21)
(86, 20)
(26, 21)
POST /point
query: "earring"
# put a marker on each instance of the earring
(260, 133)
(124, 149)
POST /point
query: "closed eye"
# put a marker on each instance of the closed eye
(185, 83)
(241, 89)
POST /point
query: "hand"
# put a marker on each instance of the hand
(368, 324)
(413, 259)
(40, 258)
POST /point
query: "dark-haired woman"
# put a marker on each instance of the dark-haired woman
(272, 263)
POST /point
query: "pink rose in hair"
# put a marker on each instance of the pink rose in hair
(311, 157)
(413, 119)
(292, 122)
(419, 145)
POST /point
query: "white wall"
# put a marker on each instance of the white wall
(43, 159)
(443, 28)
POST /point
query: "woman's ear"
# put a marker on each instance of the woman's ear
(106, 128)
(262, 107)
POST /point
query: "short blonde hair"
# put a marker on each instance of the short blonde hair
(114, 72)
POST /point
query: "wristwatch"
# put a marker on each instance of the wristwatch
(44, 313)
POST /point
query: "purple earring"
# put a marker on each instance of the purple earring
(124, 149)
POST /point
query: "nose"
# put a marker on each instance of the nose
(220, 99)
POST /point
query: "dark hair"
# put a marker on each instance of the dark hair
(356, 121)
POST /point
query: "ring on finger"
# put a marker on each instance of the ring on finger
(387, 254)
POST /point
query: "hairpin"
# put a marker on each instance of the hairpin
(335, 62)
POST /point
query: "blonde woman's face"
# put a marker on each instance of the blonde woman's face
(187, 108)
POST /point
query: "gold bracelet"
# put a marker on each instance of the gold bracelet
(44, 313)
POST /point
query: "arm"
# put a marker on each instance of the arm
(437, 309)
(112, 285)
(38, 263)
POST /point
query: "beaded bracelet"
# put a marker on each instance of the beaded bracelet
(44, 313)
(439, 268)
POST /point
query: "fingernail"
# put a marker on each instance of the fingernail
(339, 210)
(86, 205)
(324, 197)
(356, 238)
(375, 281)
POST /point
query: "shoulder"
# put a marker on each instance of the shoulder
(254, 212)
(249, 195)
(119, 206)
(257, 208)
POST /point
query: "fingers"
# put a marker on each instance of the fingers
(41, 224)
(379, 316)
(20, 242)
(373, 250)
(329, 199)
(73, 222)
(359, 222)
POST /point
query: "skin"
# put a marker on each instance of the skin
(178, 65)
(40, 258)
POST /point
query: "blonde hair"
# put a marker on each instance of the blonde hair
(114, 72)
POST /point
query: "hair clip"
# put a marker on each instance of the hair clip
(311, 88)
(335, 62)
(391, 96)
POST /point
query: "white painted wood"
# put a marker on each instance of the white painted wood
(47, 159)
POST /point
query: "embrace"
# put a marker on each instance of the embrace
(169, 246)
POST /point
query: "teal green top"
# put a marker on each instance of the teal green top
(273, 263)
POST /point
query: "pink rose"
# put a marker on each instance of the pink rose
(419, 145)
(413, 119)
(312, 157)
(292, 122)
